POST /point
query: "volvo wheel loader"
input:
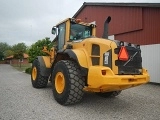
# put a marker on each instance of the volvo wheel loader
(81, 62)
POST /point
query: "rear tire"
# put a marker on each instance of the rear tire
(38, 81)
(109, 94)
(67, 83)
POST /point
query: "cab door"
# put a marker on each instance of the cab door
(61, 35)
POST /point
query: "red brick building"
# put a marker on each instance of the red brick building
(137, 23)
(12, 60)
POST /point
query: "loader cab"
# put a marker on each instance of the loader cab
(71, 30)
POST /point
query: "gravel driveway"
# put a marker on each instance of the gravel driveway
(19, 101)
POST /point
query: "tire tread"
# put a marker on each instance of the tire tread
(76, 83)
(41, 81)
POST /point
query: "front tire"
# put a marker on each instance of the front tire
(67, 83)
(38, 81)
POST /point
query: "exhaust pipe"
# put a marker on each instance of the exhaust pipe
(105, 32)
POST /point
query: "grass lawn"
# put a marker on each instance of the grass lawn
(23, 67)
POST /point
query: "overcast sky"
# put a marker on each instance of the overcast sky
(31, 20)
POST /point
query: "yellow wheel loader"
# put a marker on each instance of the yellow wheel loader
(82, 62)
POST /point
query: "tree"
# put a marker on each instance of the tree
(3, 47)
(8, 53)
(1, 56)
(36, 48)
(19, 47)
(19, 55)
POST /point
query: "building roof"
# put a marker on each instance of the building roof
(116, 4)
(9, 57)
(24, 56)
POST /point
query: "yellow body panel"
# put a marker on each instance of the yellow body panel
(114, 57)
(82, 57)
(47, 61)
(67, 31)
(86, 46)
(97, 82)
(94, 32)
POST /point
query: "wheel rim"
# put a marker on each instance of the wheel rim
(59, 82)
(34, 73)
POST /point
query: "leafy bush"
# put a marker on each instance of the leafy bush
(36, 48)
(28, 70)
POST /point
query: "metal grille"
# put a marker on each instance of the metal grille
(95, 60)
(95, 49)
(95, 54)
(133, 66)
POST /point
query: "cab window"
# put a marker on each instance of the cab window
(79, 31)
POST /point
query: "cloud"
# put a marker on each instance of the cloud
(30, 20)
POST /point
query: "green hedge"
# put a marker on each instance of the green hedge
(28, 70)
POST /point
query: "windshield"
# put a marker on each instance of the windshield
(79, 31)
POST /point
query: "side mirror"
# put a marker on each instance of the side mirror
(54, 31)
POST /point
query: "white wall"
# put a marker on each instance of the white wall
(111, 37)
(151, 61)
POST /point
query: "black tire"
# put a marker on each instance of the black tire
(109, 94)
(38, 81)
(73, 83)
